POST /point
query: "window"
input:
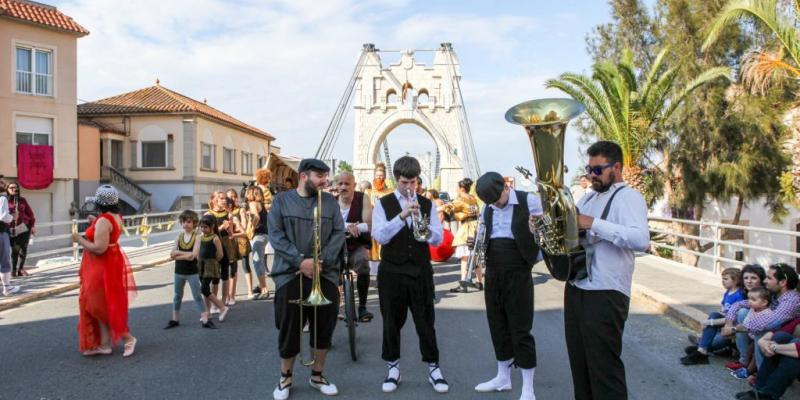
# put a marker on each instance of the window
(32, 130)
(34, 71)
(262, 162)
(116, 154)
(247, 163)
(154, 154)
(228, 160)
(208, 156)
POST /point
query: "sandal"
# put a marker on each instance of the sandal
(282, 391)
(130, 347)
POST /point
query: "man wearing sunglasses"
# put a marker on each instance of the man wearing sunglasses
(614, 218)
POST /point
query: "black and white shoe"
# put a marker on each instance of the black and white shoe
(282, 391)
(319, 382)
(390, 383)
(436, 380)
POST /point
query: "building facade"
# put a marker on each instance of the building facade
(38, 97)
(165, 151)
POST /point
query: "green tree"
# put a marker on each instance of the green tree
(631, 113)
(344, 166)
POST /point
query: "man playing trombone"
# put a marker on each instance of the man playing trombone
(510, 254)
(402, 224)
(292, 233)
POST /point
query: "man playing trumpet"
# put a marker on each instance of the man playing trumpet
(291, 227)
(402, 224)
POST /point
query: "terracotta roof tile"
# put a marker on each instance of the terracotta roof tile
(38, 13)
(159, 100)
(100, 125)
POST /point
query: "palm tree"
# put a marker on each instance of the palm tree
(630, 113)
(764, 67)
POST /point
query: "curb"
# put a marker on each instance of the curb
(688, 316)
(66, 288)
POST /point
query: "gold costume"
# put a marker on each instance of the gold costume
(464, 210)
(374, 195)
(267, 196)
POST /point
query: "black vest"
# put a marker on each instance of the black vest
(526, 245)
(404, 254)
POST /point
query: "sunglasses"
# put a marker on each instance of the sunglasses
(597, 170)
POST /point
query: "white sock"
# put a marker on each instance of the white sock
(435, 371)
(527, 383)
(394, 369)
(504, 370)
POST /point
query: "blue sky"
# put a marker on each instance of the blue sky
(283, 65)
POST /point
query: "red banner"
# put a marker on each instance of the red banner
(34, 166)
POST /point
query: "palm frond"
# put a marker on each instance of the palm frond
(762, 70)
(651, 75)
(587, 92)
(702, 79)
(763, 11)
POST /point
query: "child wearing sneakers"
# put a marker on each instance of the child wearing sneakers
(185, 253)
(712, 339)
(209, 255)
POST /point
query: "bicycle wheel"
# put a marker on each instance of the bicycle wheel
(350, 315)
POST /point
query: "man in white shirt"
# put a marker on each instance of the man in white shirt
(357, 215)
(596, 307)
(5, 242)
(405, 274)
(510, 254)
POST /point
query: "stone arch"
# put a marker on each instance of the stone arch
(392, 121)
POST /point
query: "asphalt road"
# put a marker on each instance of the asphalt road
(39, 357)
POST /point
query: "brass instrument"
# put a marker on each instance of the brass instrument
(545, 121)
(420, 224)
(316, 298)
(477, 257)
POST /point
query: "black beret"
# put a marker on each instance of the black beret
(312, 164)
(490, 186)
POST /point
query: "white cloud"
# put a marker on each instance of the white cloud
(282, 65)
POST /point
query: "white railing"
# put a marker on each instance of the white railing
(714, 237)
(142, 226)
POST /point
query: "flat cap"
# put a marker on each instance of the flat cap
(312, 164)
(489, 187)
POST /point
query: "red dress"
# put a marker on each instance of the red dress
(106, 287)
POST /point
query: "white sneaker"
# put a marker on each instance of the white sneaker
(439, 384)
(223, 314)
(9, 290)
(390, 384)
(231, 302)
(527, 396)
(494, 385)
(214, 310)
(281, 392)
(325, 387)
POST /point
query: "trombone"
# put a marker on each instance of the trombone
(315, 298)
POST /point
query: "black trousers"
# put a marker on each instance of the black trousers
(508, 293)
(398, 293)
(19, 251)
(287, 316)
(593, 322)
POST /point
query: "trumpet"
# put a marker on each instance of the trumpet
(420, 224)
(316, 298)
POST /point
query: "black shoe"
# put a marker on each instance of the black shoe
(695, 358)
(461, 288)
(364, 315)
(171, 324)
(256, 290)
(209, 325)
(479, 286)
(689, 349)
(723, 352)
(693, 339)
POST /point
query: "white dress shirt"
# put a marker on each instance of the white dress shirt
(501, 217)
(5, 215)
(362, 226)
(614, 239)
(383, 231)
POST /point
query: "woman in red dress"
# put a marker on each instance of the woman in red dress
(106, 281)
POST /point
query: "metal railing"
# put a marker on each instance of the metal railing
(143, 226)
(712, 233)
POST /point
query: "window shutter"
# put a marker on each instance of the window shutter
(214, 157)
(134, 163)
(170, 151)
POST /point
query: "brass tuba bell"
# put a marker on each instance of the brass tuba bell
(545, 121)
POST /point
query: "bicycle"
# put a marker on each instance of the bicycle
(348, 289)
